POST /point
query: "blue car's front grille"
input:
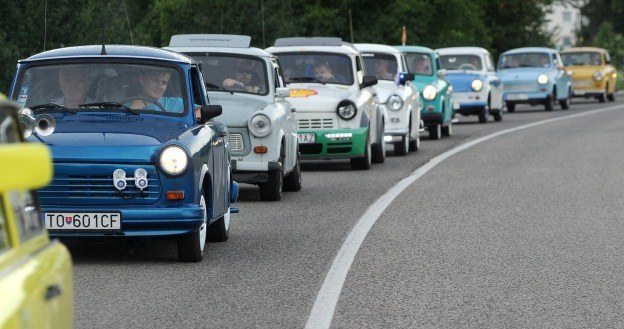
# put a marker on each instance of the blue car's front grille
(89, 184)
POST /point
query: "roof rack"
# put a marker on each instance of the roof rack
(309, 41)
(210, 40)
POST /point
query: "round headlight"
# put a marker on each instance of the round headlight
(598, 76)
(542, 79)
(429, 93)
(346, 111)
(476, 85)
(395, 102)
(173, 160)
(260, 125)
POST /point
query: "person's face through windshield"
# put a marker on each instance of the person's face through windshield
(244, 71)
(154, 84)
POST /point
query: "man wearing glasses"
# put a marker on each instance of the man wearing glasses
(242, 77)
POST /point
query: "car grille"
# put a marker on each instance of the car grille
(325, 123)
(236, 142)
(520, 86)
(72, 186)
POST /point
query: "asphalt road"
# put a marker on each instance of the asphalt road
(523, 230)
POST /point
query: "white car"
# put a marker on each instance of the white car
(337, 112)
(477, 89)
(396, 94)
(247, 83)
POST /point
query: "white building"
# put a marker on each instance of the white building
(564, 22)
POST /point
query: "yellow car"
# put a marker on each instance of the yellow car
(36, 275)
(592, 72)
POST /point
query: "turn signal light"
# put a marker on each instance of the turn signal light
(261, 149)
(175, 195)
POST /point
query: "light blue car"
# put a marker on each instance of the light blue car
(534, 76)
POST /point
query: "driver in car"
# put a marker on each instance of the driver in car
(153, 84)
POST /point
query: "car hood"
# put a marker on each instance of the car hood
(462, 81)
(422, 80)
(525, 73)
(385, 89)
(109, 137)
(316, 97)
(584, 71)
(237, 108)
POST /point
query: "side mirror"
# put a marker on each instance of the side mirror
(441, 73)
(369, 80)
(25, 166)
(404, 77)
(210, 111)
(282, 92)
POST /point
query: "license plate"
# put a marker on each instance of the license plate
(306, 138)
(93, 221)
(515, 97)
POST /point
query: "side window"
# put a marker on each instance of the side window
(4, 235)
(359, 70)
(489, 63)
(26, 213)
(198, 88)
(607, 58)
(403, 63)
(555, 59)
(279, 82)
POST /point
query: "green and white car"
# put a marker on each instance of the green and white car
(337, 112)
(247, 83)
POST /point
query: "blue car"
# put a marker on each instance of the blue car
(534, 75)
(136, 151)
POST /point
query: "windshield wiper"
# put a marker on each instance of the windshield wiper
(306, 79)
(109, 105)
(211, 86)
(51, 106)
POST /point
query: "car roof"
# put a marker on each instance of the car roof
(223, 43)
(116, 51)
(529, 50)
(462, 50)
(582, 49)
(320, 44)
(419, 49)
(373, 47)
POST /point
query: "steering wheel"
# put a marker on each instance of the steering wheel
(467, 66)
(145, 99)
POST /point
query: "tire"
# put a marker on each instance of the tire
(435, 132)
(611, 97)
(548, 105)
(483, 116)
(191, 247)
(272, 190)
(219, 231)
(603, 97)
(363, 163)
(414, 145)
(292, 182)
(498, 116)
(511, 107)
(401, 148)
(565, 104)
(447, 130)
(379, 149)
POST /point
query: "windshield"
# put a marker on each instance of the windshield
(316, 67)
(232, 72)
(461, 62)
(584, 58)
(419, 63)
(103, 87)
(383, 66)
(524, 60)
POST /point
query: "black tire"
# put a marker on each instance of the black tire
(511, 107)
(603, 97)
(435, 131)
(191, 246)
(363, 163)
(565, 103)
(498, 116)
(292, 182)
(272, 190)
(447, 130)
(414, 145)
(219, 230)
(378, 150)
(483, 116)
(548, 104)
(610, 97)
(401, 148)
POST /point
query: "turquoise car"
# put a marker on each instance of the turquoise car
(435, 91)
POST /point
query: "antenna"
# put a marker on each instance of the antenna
(128, 21)
(45, 25)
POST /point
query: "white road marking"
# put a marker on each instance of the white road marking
(323, 310)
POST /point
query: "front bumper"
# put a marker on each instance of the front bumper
(334, 148)
(528, 97)
(253, 172)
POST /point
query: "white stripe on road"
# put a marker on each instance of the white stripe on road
(323, 310)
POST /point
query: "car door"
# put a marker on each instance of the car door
(289, 122)
(496, 86)
(367, 101)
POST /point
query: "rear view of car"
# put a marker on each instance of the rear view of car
(593, 76)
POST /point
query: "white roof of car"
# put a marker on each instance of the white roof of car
(319, 44)
(462, 50)
(376, 48)
(223, 43)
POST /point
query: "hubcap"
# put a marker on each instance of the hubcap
(202, 229)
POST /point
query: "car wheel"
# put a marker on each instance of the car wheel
(363, 163)
(191, 247)
(435, 132)
(565, 104)
(414, 145)
(272, 190)
(611, 97)
(292, 182)
(511, 107)
(402, 147)
(548, 104)
(379, 149)
(483, 116)
(498, 116)
(448, 129)
(219, 231)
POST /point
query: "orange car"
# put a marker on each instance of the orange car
(592, 72)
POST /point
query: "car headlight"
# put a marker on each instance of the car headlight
(173, 160)
(542, 79)
(260, 125)
(395, 102)
(598, 76)
(346, 110)
(429, 93)
(476, 85)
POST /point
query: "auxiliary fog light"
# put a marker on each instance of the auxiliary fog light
(119, 179)
(140, 178)
(338, 136)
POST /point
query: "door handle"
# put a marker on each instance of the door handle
(222, 133)
(53, 291)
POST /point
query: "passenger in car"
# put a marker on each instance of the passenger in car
(323, 72)
(74, 84)
(153, 83)
(242, 77)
